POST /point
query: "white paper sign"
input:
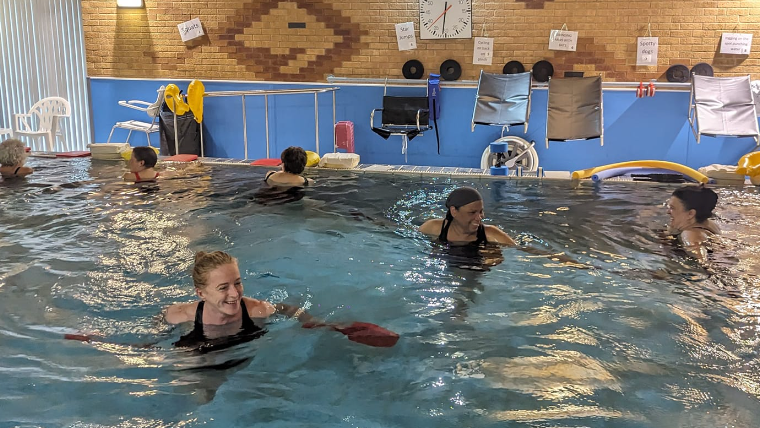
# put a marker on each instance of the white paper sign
(561, 40)
(190, 30)
(482, 53)
(646, 50)
(405, 36)
(736, 43)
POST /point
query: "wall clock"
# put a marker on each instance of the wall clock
(445, 19)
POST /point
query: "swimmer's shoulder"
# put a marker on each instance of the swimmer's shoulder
(180, 313)
(496, 235)
(258, 308)
(431, 227)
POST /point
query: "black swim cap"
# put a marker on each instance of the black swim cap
(462, 196)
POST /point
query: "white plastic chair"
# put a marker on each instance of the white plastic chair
(43, 120)
(152, 110)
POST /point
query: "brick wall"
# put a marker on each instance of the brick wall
(250, 39)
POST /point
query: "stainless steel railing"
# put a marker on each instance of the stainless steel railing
(266, 93)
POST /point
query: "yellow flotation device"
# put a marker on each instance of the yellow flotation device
(749, 164)
(312, 159)
(685, 170)
(174, 100)
(195, 93)
(127, 154)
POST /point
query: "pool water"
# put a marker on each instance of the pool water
(645, 337)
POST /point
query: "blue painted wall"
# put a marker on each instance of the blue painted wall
(635, 128)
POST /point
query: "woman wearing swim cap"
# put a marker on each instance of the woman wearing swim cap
(464, 221)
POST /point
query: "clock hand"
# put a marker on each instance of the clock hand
(443, 26)
(442, 15)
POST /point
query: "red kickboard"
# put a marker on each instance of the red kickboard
(78, 154)
(27, 149)
(267, 162)
(181, 158)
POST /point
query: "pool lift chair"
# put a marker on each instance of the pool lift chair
(152, 110)
(406, 116)
(504, 100)
(574, 109)
(723, 106)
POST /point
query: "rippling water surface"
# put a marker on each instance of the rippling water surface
(645, 337)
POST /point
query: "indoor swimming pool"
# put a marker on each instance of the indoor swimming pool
(640, 335)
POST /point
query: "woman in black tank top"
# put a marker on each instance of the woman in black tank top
(463, 221)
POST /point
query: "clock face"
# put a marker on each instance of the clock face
(445, 19)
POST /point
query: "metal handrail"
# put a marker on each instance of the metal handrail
(613, 86)
(269, 92)
(266, 93)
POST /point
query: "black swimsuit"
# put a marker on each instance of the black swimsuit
(269, 174)
(196, 339)
(443, 236)
(467, 256)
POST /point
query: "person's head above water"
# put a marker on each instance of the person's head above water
(12, 152)
(206, 263)
(293, 160)
(462, 196)
(697, 202)
(142, 158)
(465, 209)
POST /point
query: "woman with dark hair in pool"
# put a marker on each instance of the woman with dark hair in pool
(690, 209)
(463, 222)
(468, 236)
(286, 185)
(293, 163)
(141, 165)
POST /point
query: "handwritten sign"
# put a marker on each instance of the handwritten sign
(482, 53)
(561, 40)
(405, 36)
(736, 43)
(646, 50)
(191, 29)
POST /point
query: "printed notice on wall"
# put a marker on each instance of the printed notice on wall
(190, 30)
(561, 40)
(646, 51)
(482, 54)
(405, 36)
(736, 43)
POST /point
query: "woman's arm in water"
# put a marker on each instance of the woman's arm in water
(264, 309)
(495, 234)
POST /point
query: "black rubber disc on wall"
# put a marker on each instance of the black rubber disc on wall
(702, 69)
(542, 71)
(513, 67)
(413, 69)
(450, 70)
(678, 73)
